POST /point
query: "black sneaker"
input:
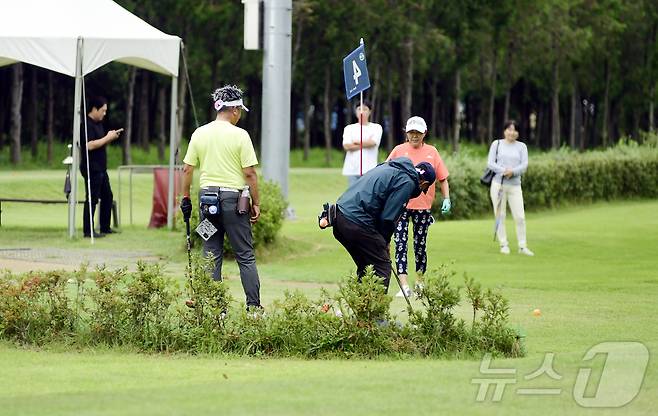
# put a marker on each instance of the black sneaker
(110, 231)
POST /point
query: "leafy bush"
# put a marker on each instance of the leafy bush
(147, 311)
(201, 325)
(34, 307)
(107, 305)
(628, 170)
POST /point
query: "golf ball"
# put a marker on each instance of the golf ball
(536, 312)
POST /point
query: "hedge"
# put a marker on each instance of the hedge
(628, 170)
(146, 310)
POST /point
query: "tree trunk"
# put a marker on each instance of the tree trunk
(326, 107)
(652, 82)
(308, 114)
(606, 105)
(652, 123)
(457, 118)
(34, 113)
(434, 130)
(374, 94)
(492, 96)
(144, 127)
(390, 135)
(538, 127)
(572, 120)
(508, 95)
(162, 123)
(445, 116)
(297, 35)
(130, 104)
(182, 104)
(16, 101)
(50, 124)
(407, 79)
(214, 84)
(555, 108)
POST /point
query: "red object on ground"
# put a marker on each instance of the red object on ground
(160, 189)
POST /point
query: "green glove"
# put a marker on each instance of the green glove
(445, 207)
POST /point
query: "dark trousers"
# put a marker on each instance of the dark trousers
(366, 247)
(100, 189)
(238, 229)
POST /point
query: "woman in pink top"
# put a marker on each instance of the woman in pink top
(418, 209)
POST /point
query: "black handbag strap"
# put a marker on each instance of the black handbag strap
(497, 144)
(502, 178)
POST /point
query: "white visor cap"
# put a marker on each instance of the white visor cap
(219, 104)
(416, 123)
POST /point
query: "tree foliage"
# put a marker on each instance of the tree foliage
(585, 71)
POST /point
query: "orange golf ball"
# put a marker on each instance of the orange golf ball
(536, 312)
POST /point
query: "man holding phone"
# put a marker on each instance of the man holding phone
(97, 140)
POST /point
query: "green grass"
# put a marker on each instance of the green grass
(594, 277)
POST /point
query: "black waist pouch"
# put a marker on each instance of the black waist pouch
(209, 204)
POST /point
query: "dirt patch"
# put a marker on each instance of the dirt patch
(26, 259)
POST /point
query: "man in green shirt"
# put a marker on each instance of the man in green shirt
(226, 160)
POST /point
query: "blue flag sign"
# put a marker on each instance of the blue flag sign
(355, 70)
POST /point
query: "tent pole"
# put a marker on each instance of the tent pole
(75, 150)
(172, 151)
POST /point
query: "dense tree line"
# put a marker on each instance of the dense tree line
(580, 73)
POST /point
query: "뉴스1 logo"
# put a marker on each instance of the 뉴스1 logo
(620, 381)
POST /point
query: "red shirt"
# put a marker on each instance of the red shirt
(425, 153)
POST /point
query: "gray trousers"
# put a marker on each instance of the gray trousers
(238, 229)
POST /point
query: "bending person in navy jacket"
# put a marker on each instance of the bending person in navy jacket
(368, 211)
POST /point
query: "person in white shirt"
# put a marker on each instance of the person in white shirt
(372, 136)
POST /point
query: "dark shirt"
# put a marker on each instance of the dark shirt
(97, 157)
(377, 199)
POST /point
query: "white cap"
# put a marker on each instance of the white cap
(416, 123)
(219, 104)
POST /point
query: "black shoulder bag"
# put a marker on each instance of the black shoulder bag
(489, 174)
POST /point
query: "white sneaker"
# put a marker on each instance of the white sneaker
(504, 250)
(407, 291)
(526, 251)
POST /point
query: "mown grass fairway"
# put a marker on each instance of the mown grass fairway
(594, 277)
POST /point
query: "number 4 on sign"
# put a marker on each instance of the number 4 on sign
(357, 72)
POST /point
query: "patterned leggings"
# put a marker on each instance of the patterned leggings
(422, 219)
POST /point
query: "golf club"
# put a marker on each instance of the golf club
(190, 303)
(401, 288)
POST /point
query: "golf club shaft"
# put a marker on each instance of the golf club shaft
(189, 254)
(401, 288)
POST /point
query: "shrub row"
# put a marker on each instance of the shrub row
(145, 310)
(627, 170)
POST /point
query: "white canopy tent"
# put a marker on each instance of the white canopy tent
(76, 37)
